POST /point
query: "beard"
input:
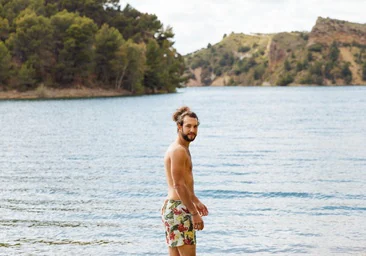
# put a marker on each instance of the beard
(189, 137)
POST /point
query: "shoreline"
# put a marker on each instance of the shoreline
(43, 93)
(49, 93)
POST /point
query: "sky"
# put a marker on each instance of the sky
(199, 22)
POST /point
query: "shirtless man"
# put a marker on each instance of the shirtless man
(182, 211)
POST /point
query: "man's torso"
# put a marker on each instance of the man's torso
(188, 177)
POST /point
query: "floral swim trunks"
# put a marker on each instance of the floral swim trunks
(178, 224)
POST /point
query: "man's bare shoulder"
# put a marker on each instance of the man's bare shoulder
(176, 150)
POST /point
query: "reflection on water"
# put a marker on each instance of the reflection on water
(282, 171)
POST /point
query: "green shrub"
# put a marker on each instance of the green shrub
(287, 65)
(259, 72)
(237, 71)
(356, 44)
(346, 73)
(310, 57)
(217, 71)
(244, 49)
(305, 64)
(299, 66)
(191, 76)
(316, 69)
(306, 79)
(304, 36)
(311, 79)
(222, 62)
(333, 52)
(285, 79)
(364, 71)
(246, 64)
(5, 62)
(328, 70)
(316, 79)
(316, 47)
(198, 62)
(226, 60)
(26, 77)
(206, 77)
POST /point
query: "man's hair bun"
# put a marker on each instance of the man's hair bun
(179, 112)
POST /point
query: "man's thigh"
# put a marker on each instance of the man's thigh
(187, 250)
(173, 251)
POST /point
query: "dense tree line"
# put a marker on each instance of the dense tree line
(96, 43)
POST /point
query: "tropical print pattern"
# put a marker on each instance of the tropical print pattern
(178, 224)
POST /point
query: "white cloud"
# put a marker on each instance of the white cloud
(197, 23)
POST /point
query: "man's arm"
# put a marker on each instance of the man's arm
(178, 169)
(201, 208)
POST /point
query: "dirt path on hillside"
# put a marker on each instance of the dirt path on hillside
(221, 81)
(354, 67)
(197, 74)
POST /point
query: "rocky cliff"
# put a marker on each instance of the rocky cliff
(327, 30)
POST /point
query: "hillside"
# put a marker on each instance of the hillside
(333, 53)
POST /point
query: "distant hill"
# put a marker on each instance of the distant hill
(333, 53)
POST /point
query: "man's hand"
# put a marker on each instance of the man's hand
(197, 222)
(201, 208)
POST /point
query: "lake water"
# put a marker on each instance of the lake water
(282, 171)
